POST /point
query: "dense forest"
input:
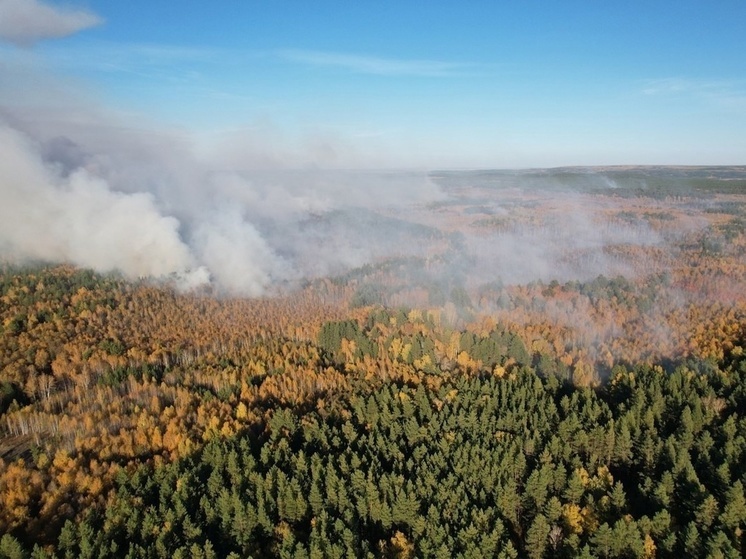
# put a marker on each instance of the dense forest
(470, 395)
(145, 423)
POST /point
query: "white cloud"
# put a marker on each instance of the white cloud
(24, 22)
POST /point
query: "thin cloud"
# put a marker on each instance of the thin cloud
(675, 86)
(134, 58)
(666, 86)
(376, 65)
(25, 22)
(724, 93)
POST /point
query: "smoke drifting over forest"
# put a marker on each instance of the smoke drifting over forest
(88, 190)
(100, 190)
(97, 194)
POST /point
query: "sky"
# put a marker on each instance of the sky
(421, 85)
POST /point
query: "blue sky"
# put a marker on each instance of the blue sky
(412, 84)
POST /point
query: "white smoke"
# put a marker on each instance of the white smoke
(85, 184)
(240, 259)
(79, 186)
(79, 219)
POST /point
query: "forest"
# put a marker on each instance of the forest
(483, 395)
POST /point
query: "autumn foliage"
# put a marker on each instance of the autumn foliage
(367, 416)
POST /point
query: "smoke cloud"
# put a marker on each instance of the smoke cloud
(75, 217)
(80, 183)
(24, 22)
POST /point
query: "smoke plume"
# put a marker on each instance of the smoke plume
(83, 184)
(75, 217)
